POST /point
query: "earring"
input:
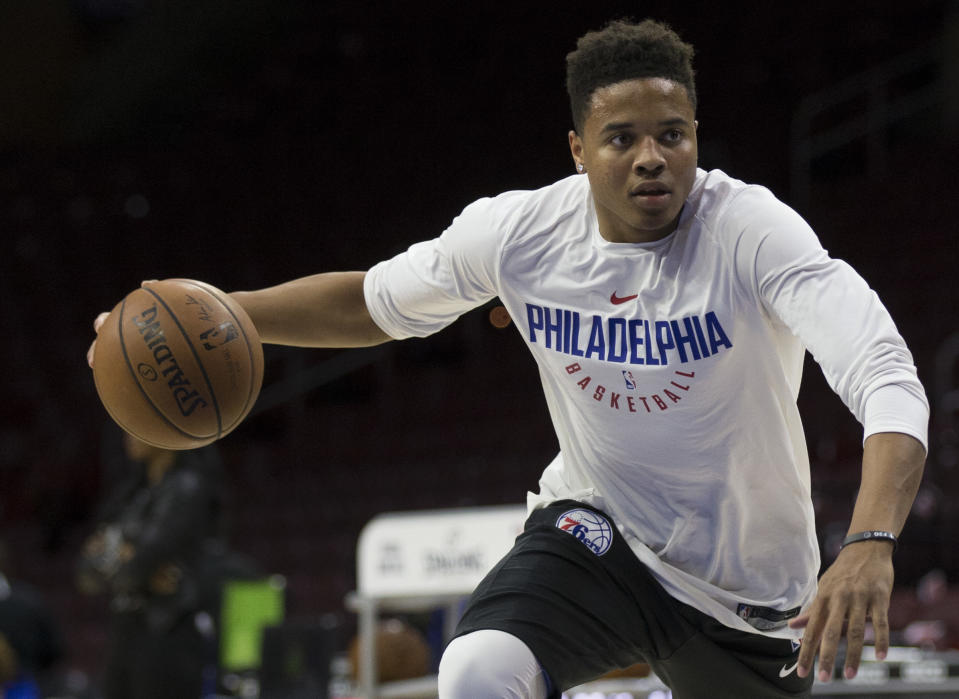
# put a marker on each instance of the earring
(579, 167)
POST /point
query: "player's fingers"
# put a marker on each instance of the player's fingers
(813, 621)
(99, 321)
(97, 324)
(147, 281)
(855, 637)
(800, 622)
(831, 634)
(880, 624)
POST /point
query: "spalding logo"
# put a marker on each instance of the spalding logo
(591, 528)
(186, 396)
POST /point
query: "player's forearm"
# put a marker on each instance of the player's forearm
(892, 467)
(323, 310)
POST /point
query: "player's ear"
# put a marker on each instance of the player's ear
(576, 150)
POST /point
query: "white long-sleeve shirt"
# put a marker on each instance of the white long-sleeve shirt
(671, 370)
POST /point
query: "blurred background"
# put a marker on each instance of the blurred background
(247, 142)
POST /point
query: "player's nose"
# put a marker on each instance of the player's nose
(649, 156)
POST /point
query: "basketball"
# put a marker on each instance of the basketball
(402, 652)
(178, 364)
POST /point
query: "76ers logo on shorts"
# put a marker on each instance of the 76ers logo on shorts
(591, 528)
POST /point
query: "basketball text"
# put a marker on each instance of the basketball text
(187, 398)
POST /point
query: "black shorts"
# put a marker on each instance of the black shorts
(585, 605)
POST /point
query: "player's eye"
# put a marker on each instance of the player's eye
(673, 136)
(621, 140)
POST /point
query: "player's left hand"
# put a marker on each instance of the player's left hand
(854, 589)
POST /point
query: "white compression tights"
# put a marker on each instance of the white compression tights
(490, 664)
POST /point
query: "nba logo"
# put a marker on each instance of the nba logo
(219, 335)
(630, 381)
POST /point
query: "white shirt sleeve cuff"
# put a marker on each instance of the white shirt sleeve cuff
(897, 408)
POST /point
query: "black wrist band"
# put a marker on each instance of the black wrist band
(869, 536)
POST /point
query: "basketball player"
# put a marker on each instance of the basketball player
(669, 310)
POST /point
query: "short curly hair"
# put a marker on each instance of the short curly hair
(624, 50)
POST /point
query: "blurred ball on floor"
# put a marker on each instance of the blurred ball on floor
(402, 652)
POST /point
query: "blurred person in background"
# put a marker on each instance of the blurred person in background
(149, 554)
(31, 644)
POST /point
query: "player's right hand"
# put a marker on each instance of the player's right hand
(97, 324)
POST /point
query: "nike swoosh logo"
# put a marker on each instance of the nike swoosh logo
(616, 300)
(784, 671)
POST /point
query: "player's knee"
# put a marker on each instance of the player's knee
(490, 664)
